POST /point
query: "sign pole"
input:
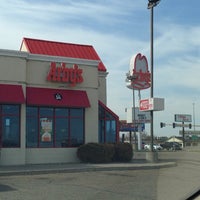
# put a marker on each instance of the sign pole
(183, 131)
(135, 138)
(130, 137)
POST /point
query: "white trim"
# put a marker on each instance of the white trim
(102, 74)
(13, 53)
(40, 57)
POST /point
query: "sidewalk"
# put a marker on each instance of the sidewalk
(80, 167)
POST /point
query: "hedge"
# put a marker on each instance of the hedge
(105, 153)
(123, 152)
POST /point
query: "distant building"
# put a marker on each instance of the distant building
(175, 139)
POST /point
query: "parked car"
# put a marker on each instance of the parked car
(171, 146)
(147, 147)
(155, 147)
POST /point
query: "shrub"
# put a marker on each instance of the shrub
(108, 152)
(104, 153)
(123, 152)
(95, 153)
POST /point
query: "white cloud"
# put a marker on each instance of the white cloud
(66, 11)
(176, 40)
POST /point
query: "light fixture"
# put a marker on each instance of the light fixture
(153, 3)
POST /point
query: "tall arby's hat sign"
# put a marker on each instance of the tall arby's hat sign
(138, 77)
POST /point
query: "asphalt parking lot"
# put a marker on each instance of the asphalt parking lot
(174, 183)
(82, 186)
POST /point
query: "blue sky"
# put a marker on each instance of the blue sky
(118, 30)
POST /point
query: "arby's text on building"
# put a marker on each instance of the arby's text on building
(61, 73)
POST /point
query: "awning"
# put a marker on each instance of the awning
(11, 94)
(56, 97)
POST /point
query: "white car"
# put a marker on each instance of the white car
(155, 147)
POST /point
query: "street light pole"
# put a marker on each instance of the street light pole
(151, 55)
(193, 116)
(151, 5)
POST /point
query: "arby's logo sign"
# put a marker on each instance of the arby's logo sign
(146, 104)
(61, 73)
(139, 70)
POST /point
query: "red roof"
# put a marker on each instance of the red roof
(52, 48)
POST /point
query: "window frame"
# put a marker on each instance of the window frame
(106, 118)
(68, 117)
(2, 126)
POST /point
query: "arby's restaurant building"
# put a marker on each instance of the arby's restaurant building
(52, 100)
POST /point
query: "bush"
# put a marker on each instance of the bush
(104, 153)
(95, 153)
(123, 152)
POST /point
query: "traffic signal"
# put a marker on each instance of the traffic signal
(162, 124)
(190, 126)
(174, 125)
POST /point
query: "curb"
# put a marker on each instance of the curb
(84, 168)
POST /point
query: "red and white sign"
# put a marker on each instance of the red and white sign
(140, 73)
(156, 104)
(146, 105)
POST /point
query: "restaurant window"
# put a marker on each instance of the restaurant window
(108, 125)
(46, 129)
(54, 127)
(32, 127)
(10, 125)
(61, 127)
(76, 132)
